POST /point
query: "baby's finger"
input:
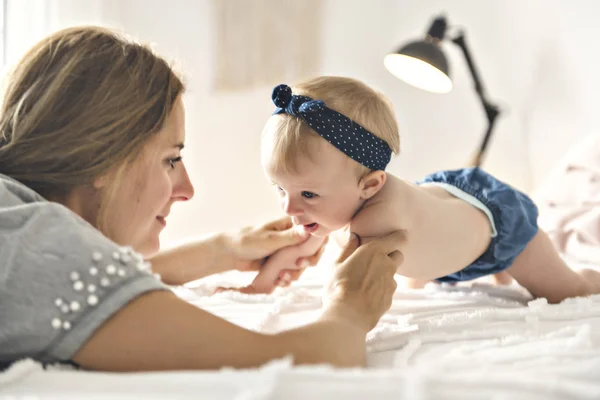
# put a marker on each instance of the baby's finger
(292, 275)
(397, 257)
(302, 262)
(282, 283)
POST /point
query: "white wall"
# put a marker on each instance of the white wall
(541, 70)
(27, 21)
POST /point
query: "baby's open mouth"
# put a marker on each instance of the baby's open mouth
(311, 227)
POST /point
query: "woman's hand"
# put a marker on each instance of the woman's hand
(282, 267)
(252, 245)
(287, 276)
(245, 250)
(363, 284)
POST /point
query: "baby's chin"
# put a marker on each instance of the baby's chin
(322, 231)
(320, 234)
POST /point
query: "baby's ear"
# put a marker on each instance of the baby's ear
(371, 183)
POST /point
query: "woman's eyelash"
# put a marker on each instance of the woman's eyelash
(173, 161)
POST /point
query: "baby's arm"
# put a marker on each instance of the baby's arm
(286, 258)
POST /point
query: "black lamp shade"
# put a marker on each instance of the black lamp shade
(421, 64)
(428, 52)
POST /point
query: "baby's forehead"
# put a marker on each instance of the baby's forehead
(321, 159)
(316, 171)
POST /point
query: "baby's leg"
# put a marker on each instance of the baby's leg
(540, 270)
(503, 278)
(412, 283)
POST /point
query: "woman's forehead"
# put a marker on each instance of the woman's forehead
(172, 133)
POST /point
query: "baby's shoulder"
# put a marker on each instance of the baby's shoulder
(395, 194)
(384, 213)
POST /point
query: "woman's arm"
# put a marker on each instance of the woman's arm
(244, 250)
(193, 261)
(158, 331)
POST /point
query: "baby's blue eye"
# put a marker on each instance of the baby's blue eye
(309, 195)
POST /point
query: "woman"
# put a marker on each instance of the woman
(90, 165)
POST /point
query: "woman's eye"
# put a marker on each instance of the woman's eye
(309, 195)
(173, 161)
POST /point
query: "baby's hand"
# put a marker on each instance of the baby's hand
(284, 266)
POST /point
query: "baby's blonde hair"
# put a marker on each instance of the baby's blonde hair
(288, 138)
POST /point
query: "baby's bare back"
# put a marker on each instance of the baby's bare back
(443, 234)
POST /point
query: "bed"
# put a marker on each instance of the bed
(440, 342)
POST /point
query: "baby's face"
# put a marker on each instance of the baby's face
(323, 194)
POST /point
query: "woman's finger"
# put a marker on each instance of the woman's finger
(389, 243)
(278, 239)
(280, 224)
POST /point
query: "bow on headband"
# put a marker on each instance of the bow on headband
(346, 135)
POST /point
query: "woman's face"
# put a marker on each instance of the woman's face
(138, 210)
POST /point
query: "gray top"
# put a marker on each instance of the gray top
(60, 278)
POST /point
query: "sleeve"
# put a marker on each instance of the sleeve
(60, 279)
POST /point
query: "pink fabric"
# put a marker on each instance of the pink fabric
(569, 202)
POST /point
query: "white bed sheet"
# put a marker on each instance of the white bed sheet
(441, 342)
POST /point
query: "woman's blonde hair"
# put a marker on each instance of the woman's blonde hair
(79, 105)
(287, 138)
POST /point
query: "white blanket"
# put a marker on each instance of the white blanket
(441, 342)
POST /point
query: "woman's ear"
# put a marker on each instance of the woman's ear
(112, 175)
(371, 183)
(100, 182)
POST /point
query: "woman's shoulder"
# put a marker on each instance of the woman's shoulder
(60, 278)
(25, 212)
(13, 192)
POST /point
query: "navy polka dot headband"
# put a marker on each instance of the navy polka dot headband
(348, 136)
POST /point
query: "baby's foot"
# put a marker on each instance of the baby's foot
(416, 283)
(592, 279)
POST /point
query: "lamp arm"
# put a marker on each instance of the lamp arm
(490, 109)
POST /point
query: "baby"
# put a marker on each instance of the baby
(326, 149)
